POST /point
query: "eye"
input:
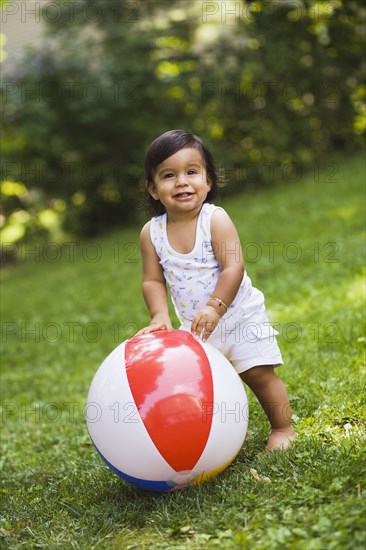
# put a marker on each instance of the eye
(190, 172)
(168, 175)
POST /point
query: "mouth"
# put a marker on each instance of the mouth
(185, 195)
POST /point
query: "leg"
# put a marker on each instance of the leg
(272, 395)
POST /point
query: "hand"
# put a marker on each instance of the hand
(205, 322)
(154, 326)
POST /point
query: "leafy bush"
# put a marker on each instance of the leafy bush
(273, 89)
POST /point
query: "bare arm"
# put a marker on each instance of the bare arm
(228, 252)
(227, 249)
(153, 285)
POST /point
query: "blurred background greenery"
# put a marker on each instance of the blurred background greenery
(274, 88)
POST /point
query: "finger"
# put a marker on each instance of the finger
(208, 330)
(197, 328)
(153, 328)
(194, 325)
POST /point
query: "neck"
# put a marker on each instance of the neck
(183, 217)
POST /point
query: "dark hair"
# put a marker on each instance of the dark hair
(167, 145)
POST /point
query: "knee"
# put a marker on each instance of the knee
(258, 376)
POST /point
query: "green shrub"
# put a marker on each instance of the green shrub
(274, 89)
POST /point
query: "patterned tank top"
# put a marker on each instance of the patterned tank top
(192, 277)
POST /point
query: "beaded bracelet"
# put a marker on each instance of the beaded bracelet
(219, 301)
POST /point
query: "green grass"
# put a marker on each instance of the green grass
(57, 493)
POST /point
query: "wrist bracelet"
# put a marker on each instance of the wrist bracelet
(219, 301)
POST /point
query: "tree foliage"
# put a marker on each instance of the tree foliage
(272, 88)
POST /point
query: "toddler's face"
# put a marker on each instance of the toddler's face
(180, 181)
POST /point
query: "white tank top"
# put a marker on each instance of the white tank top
(192, 277)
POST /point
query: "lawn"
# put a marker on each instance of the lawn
(64, 309)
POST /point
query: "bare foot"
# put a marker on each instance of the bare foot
(280, 439)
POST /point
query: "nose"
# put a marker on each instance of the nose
(181, 180)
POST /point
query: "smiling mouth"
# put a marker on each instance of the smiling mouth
(183, 195)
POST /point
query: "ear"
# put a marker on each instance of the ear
(150, 187)
(209, 182)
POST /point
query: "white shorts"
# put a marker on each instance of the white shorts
(246, 337)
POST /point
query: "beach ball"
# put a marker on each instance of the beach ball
(166, 411)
